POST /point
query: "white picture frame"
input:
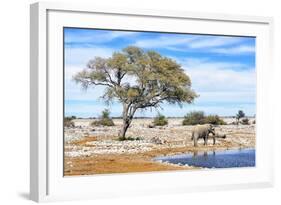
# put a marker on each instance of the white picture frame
(46, 177)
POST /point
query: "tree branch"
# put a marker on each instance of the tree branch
(89, 82)
(109, 76)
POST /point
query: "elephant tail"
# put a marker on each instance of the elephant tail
(192, 135)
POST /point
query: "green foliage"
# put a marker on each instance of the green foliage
(194, 118)
(156, 79)
(104, 120)
(214, 120)
(245, 121)
(67, 122)
(240, 115)
(160, 120)
(105, 114)
(198, 117)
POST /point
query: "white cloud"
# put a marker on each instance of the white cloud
(212, 44)
(227, 97)
(81, 56)
(70, 71)
(74, 91)
(234, 50)
(164, 42)
(222, 84)
(214, 41)
(92, 109)
(209, 78)
(91, 36)
(220, 76)
(120, 34)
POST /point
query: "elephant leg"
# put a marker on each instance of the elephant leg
(205, 140)
(214, 140)
(195, 138)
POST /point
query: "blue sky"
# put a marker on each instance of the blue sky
(221, 68)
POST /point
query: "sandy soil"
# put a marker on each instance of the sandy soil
(96, 150)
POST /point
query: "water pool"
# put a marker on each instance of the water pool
(214, 159)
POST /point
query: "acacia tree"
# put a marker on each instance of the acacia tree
(138, 80)
(239, 115)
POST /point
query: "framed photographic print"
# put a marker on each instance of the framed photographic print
(127, 102)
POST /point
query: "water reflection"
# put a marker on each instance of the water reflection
(214, 159)
(205, 153)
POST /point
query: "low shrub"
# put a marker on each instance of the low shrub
(104, 120)
(160, 120)
(68, 122)
(214, 120)
(194, 118)
(198, 117)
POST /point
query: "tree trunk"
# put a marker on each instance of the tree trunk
(126, 124)
(127, 119)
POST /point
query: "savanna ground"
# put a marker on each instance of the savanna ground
(97, 150)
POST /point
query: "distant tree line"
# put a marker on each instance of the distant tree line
(191, 118)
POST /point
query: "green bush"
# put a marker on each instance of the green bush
(214, 120)
(104, 120)
(68, 121)
(194, 118)
(160, 120)
(198, 117)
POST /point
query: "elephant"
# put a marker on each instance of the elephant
(202, 131)
(217, 135)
